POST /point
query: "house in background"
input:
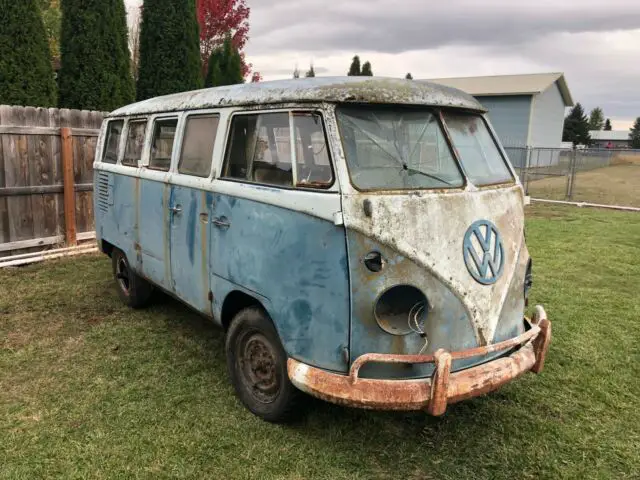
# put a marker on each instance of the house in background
(526, 111)
(610, 138)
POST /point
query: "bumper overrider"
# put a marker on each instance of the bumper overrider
(443, 387)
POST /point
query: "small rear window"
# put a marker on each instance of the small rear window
(135, 143)
(481, 159)
(197, 146)
(164, 133)
(114, 133)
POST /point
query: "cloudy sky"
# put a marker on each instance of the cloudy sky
(596, 43)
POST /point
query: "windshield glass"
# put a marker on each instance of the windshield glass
(482, 161)
(396, 149)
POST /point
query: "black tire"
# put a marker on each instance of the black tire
(257, 366)
(133, 290)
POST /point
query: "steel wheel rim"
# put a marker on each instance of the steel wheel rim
(122, 274)
(258, 367)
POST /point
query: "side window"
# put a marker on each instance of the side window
(197, 145)
(135, 142)
(259, 149)
(312, 152)
(164, 132)
(112, 142)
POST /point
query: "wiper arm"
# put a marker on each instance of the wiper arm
(433, 177)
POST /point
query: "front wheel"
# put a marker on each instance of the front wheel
(133, 290)
(257, 366)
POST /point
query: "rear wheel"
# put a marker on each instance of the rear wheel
(133, 290)
(257, 366)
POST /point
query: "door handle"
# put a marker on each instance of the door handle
(177, 210)
(221, 222)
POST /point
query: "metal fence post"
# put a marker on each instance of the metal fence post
(525, 175)
(571, 172)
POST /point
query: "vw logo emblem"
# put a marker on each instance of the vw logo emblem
(483, 252)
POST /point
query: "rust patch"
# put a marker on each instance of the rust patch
(430, 394)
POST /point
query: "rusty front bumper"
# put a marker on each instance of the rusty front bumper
(442, 388)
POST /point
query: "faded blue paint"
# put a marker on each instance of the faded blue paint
(153, 240)
(298, 263)
(189, 246)
(510, 117)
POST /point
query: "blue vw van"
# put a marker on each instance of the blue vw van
(358, 239)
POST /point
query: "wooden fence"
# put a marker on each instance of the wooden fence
(46, 177)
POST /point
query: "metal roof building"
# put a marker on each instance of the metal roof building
(610, 138)
(525, 110)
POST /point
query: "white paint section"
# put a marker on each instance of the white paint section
(429, 228)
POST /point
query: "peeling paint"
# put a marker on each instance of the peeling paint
(321, 89)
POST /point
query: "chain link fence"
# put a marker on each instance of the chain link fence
(602, 176)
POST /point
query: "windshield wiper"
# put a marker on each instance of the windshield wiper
(433, 177)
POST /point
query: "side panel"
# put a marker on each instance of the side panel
(153, 232)
(115, 206)
(295, 260)
(190, 245)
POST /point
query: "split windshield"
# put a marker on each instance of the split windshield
(407, 149)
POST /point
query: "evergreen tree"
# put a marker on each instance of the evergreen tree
(311, 72)
(408, 76)
(26, 74)
(225, 66)
(169, 48)
(607, 125)
(596, 119)
(354, 69)
(576, 127)
(95, 69)
(296, 72)
(366, 70)
(634, 134)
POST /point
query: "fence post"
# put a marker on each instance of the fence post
(571, 173)
(69, 187)
(527, 165)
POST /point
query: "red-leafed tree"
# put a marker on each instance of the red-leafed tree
(218, 18)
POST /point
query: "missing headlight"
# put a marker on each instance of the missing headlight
(402, 309)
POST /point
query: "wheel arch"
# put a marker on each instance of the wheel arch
(236, 301)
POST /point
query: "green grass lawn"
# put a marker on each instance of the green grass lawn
(91, 389)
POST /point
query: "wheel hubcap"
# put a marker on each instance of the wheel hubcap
(258, 367)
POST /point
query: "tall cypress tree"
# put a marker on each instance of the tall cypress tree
(225, 66)
(169, 48)
(311, 73)
(95, 68)
(354, 69)
(607, 124)
(26, 74)
(366, 70)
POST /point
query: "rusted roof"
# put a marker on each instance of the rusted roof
(321, 89)
(496, 85)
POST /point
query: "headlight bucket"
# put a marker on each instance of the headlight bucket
(401, 309)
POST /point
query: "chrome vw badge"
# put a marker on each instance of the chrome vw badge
(483, 252)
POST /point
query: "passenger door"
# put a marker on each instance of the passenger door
(273, 238)
(190, 212)
(153, 205)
